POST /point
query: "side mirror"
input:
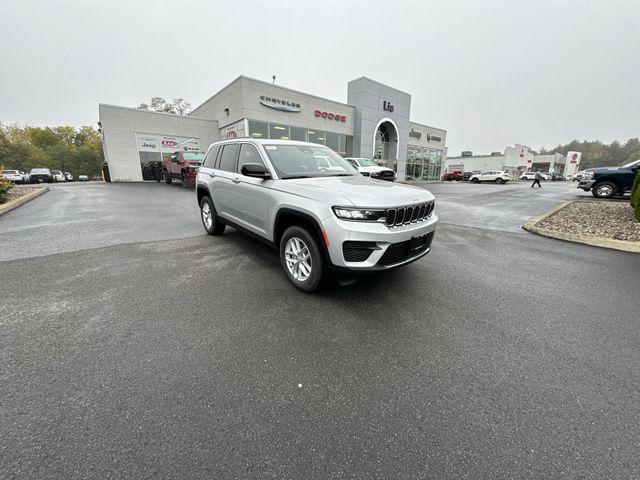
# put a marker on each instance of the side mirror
(174, 157)
(256, 170)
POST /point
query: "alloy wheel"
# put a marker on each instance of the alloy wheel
(207, 218)
(298, 258)
(605, 190)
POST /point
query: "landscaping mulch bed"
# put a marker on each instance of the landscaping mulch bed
(16, 192)
(613, 220)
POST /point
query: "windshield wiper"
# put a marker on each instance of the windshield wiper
(295, 176)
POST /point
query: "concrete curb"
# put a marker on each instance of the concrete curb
(13, 204)
(532, 226)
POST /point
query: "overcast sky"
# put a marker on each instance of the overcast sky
(492, 73)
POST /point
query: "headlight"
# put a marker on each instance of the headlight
(360, 214)
(587, 175)
(365, 174)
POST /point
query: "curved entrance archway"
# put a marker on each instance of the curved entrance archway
(385, 143)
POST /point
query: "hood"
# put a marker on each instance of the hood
(357, 191)
(374, 169)
(603, 169)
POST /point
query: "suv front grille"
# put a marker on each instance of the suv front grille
(399, 252)
(409, 214)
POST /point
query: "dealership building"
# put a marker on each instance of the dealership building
(373, 123)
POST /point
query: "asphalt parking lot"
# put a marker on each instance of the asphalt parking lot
(134, 346)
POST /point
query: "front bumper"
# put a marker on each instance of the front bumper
(585, 185)
(339, 231)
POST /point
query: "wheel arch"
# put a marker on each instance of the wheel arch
(611, 179)
(203, 191)
(287, 216)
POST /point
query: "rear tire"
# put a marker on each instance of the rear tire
(301, 259)
(499, 181)
(209, 217)
(604, 190)
(475, 180)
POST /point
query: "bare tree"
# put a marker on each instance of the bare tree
(177, 106)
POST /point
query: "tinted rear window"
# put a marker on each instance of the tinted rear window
(210, 161)
(228, 157)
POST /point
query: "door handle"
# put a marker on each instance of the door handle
(235, 180)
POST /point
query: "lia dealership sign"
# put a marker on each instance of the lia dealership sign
(280, 104)
(148, 142)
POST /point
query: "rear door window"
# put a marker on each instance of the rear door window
(228, 157)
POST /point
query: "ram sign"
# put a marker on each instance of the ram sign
(149, 142)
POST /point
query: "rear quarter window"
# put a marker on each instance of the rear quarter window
(210, 159)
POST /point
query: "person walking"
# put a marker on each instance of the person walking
(537, 179)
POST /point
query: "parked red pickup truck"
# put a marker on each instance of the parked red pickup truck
(449, 176)
(182, 165)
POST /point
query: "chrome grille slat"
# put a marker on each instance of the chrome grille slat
(409, 214)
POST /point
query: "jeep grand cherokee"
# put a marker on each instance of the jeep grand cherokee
(314, 208)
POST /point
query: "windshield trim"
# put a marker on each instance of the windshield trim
(631, 164)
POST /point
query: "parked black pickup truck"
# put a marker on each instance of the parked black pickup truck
(606, 182)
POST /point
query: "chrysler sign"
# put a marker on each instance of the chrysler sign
(280, 104)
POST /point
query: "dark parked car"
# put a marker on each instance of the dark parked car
(606, 182)
(451, 176)
(41, 175)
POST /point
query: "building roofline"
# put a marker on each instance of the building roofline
(240, 77)
(152, 111)
(427, 126)
(476, 156)
(379, 83)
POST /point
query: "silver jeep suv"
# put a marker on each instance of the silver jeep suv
(314, 207)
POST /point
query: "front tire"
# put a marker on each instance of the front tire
(302, 260)
(604, 190)
(499, 181)
(209, 218)
(475, 180)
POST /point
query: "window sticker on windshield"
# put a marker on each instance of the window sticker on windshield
(270, 147)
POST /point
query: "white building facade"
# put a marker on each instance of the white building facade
(373, 124)
(515, 160)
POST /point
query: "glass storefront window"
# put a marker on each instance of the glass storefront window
(332, 140)
(316, 136)
(258, 129)
(299, 134)
(423, 163)
(278, 132)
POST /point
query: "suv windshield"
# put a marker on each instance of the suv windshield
(193, 156)
(302, 161)
(39, 170)
(365, 162)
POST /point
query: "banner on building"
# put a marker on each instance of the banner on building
(147, 142)
(235, 130)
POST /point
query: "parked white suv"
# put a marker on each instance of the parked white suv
(369, 168)
(532, 175)
(314, 208)
(491, 176)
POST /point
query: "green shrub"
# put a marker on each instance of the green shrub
(635, 191)
(5, 186)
